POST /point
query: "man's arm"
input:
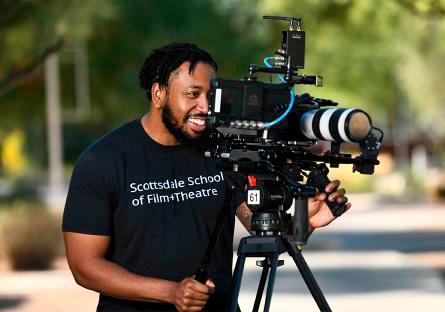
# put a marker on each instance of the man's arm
(86, 258)
(244, 215)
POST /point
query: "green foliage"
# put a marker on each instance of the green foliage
(31, 26)
(30, 236)
(27, 30)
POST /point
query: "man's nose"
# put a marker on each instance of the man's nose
(203, 105)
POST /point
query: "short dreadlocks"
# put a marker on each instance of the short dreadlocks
(163, 61)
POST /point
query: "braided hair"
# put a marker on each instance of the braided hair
(159, 65)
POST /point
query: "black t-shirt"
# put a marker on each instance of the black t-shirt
(158, 204)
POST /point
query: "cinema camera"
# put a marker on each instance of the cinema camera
(266, 133)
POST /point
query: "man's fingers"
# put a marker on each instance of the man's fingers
(211, 285)
(318, 196)
(192, 302)
(342, 200)
(332, 186)
(193, 289)
(194, 295)
(200, 288)
(338, 194)
(189, 308)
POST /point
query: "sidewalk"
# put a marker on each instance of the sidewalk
(350, 281)
(378, 257)
(44, 291)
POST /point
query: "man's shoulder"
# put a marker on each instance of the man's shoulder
(113, 145)
(117, 139)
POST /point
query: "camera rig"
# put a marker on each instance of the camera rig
(266, 133)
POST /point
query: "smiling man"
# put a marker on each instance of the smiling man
(143, 200)
(180, 103)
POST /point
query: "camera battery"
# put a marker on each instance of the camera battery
(293, 42)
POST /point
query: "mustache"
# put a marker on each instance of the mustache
(198, 115)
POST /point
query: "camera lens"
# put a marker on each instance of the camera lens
(359, 126)
(336, 124)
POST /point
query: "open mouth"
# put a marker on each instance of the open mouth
(197, 124)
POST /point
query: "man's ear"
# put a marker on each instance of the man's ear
(157, 95)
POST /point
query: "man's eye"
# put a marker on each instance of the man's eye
(193, 94)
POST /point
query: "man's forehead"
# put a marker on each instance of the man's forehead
(200, 71)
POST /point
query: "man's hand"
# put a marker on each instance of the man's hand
(319, 213)
(191, 295)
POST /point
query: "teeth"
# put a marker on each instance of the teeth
(199, 122)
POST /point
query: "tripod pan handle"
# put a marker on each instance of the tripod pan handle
(337, 208)
(319, 177)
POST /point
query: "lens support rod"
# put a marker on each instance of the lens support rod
(291, 75)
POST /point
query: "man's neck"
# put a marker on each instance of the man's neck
(155, 129)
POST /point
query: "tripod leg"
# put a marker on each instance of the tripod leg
(273, 272)
(201, 273)
(236, 282)
(261, 285)
(306, 273)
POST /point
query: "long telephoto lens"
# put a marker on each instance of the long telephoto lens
(336, 124)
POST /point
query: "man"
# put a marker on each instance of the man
(143, 200)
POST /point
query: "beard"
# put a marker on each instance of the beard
(173, 126)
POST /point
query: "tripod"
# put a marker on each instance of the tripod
(271, 247)
(271, 242)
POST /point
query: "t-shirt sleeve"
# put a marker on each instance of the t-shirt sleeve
(88, 207)
(240, 197)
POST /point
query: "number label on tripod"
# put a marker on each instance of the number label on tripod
(253, 197)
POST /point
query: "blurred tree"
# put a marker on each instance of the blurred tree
(426, 8)
(29, 32)
(35, 29)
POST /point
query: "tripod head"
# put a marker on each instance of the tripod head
(272, 187)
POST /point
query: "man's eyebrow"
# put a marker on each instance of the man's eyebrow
(195, 87)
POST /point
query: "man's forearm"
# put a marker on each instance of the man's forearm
(113, 280)
(244, 215)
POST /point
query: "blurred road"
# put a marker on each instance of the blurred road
(381, 256)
